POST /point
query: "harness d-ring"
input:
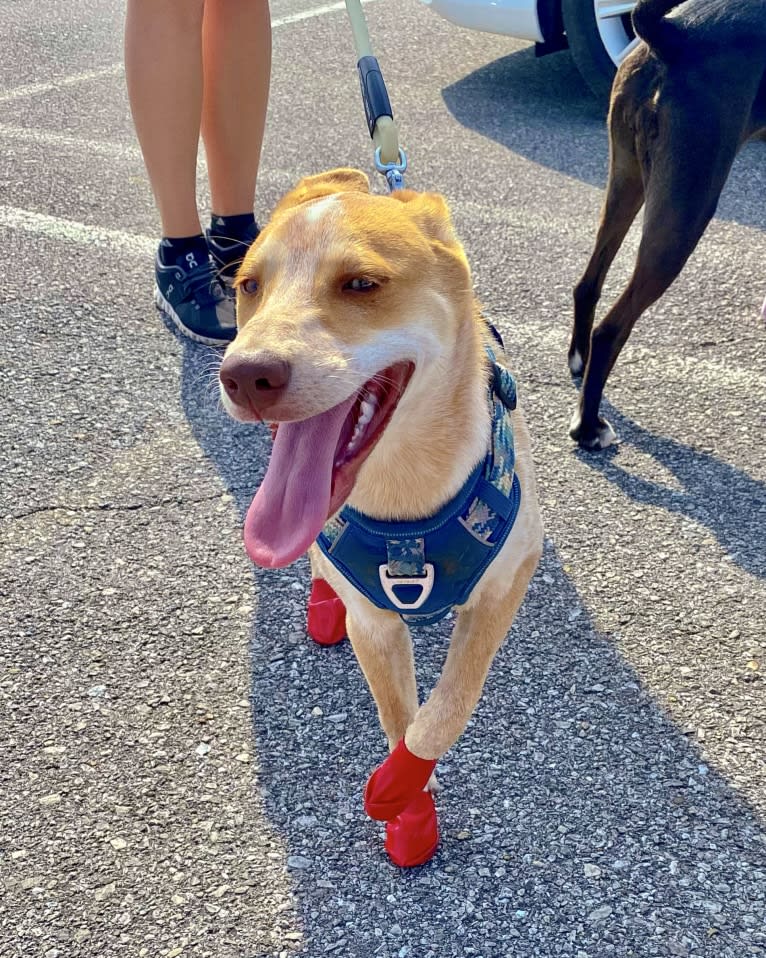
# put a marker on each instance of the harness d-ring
(390, 582)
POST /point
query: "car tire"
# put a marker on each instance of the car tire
(587, 44)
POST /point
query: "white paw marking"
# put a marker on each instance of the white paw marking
(576, 365)
(574, 422)
(606, 435)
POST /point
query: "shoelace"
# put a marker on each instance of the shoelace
(202, 283)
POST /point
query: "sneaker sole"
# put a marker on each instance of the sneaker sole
(167, 310)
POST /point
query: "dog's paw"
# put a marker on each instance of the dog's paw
(576, 364)
(588, 438)
(413, 836)
(396, 783)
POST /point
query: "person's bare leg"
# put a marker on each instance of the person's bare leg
(237, 70)
(163, 69)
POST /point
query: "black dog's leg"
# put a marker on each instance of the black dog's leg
(681, 198)
(624, 196)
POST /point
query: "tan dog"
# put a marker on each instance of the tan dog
(360, 336)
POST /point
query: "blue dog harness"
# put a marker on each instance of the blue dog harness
(421, 569)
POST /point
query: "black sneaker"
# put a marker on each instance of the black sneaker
(228, 252)
(191, 296)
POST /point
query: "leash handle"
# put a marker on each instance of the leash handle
(389, 157)
(374, 92)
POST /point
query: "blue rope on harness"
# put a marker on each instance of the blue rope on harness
(422, 569)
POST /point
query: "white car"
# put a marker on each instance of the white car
(599, 33)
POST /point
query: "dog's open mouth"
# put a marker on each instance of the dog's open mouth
(313, 468)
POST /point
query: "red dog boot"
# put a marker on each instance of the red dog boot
(326, 619)
(396, 783)
(413, 836)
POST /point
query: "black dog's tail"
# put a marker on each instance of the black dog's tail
(663, 36)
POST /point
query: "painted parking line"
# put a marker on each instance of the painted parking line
(308, 14)
(79, 144)
(684, 369)
(32, 89)
(71, 231)
(709, 373)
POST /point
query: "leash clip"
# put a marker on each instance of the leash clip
(393, 172)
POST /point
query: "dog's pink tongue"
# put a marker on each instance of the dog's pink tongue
(293, 501)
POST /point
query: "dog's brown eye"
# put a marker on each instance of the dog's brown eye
(249, 286)
(360, 285)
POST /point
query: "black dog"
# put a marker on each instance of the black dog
(682, 105)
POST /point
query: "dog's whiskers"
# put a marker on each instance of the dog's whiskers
(219, 273)
(234, 239)
(206, 375)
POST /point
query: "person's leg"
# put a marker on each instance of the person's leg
(237, 70)
(163, 69)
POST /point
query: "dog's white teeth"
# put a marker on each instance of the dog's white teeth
(368, 411)
(354, 438)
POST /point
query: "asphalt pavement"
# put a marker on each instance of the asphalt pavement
(181, 769)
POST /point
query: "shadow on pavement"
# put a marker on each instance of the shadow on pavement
(567, 763)
(724, 499)
(541, 109)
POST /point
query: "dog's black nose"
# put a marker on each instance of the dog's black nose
(257, 383)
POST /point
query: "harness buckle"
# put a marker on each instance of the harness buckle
(389, 583)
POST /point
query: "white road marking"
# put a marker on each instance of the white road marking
(70, 231)
(79, 144)
(710, 373)
(683, 369)
(31, 89)
(307, 14)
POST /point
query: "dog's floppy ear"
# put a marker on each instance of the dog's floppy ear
(431, 213)
(342, 180)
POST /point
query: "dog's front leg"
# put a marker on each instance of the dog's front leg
(479, 632)
(439, 722)
(395, 791)
(382, 645)
(383, 648)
